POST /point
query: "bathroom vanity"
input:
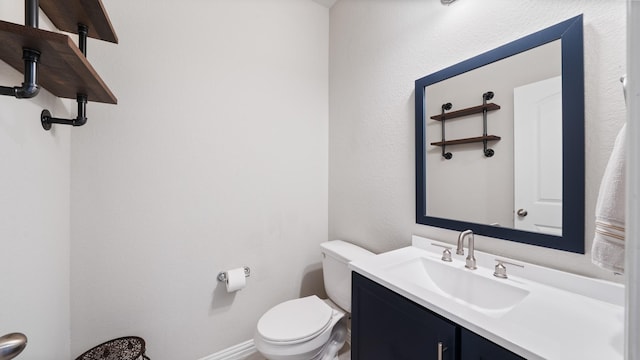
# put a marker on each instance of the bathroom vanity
(386, 325)
(410, 304)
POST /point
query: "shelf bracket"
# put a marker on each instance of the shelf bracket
(31, 16)
(47, 120)
(486, 97)
(445, 154)
(45, 116)
(29, 87)
(83, 31)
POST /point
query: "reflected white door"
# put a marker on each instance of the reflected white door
(538, 156)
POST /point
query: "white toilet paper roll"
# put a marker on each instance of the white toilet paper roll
(236, 279)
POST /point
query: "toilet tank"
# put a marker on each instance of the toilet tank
(336, 255)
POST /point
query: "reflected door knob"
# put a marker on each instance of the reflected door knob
(522, 212)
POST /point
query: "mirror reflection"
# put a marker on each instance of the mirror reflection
(520, 185)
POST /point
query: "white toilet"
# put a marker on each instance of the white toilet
(310, 328)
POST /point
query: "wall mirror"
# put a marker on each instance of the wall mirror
(500, 141)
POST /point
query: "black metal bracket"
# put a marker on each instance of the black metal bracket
(45, 116)
(486, 97)
(29, 87)
(445, 154)
(31, 8)
(46, 119)
(83, 31)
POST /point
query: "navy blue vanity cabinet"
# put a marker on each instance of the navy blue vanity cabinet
(475, 347)
(388, 326)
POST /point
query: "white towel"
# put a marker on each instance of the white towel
(608, 244)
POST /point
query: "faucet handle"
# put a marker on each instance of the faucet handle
(446, 253)
(501, 270)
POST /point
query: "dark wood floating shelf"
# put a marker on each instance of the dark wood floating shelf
(63, 69)
(465, 112)
(466, 140)
(66, 14)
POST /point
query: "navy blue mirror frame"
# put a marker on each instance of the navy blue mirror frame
(570, 33)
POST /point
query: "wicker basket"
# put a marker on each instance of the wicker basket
(124, 348)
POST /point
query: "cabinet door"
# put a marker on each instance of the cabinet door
(387, 326)
(475, 347)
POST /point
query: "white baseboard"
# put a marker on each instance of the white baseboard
(244, 350)
(236, 352)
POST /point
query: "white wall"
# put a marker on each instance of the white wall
(378, 48)
(34, 208)
(215, 157)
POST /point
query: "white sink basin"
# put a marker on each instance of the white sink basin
(492, 296)
(526, 313)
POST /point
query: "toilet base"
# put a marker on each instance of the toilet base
(324, 347)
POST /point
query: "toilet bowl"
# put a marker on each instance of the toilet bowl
(310, 328)
(301, 329)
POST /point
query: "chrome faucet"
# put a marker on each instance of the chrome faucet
(471, 260)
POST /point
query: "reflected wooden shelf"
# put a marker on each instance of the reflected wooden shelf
(484, 108)
(66, 14)
(465, 112)
(63, 69)
(467, 140)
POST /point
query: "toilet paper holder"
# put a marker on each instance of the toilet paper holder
(222, 276)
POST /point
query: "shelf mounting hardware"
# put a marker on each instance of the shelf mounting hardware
(445, 154)
(29, 87)
(45, 116)
(486, 97)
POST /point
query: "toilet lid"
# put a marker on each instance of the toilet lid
(295, 321)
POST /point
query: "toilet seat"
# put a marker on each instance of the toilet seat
(295, 321)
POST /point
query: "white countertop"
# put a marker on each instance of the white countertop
(564, 316)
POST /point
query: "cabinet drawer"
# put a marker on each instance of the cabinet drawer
(475, 347)
(387, 326)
